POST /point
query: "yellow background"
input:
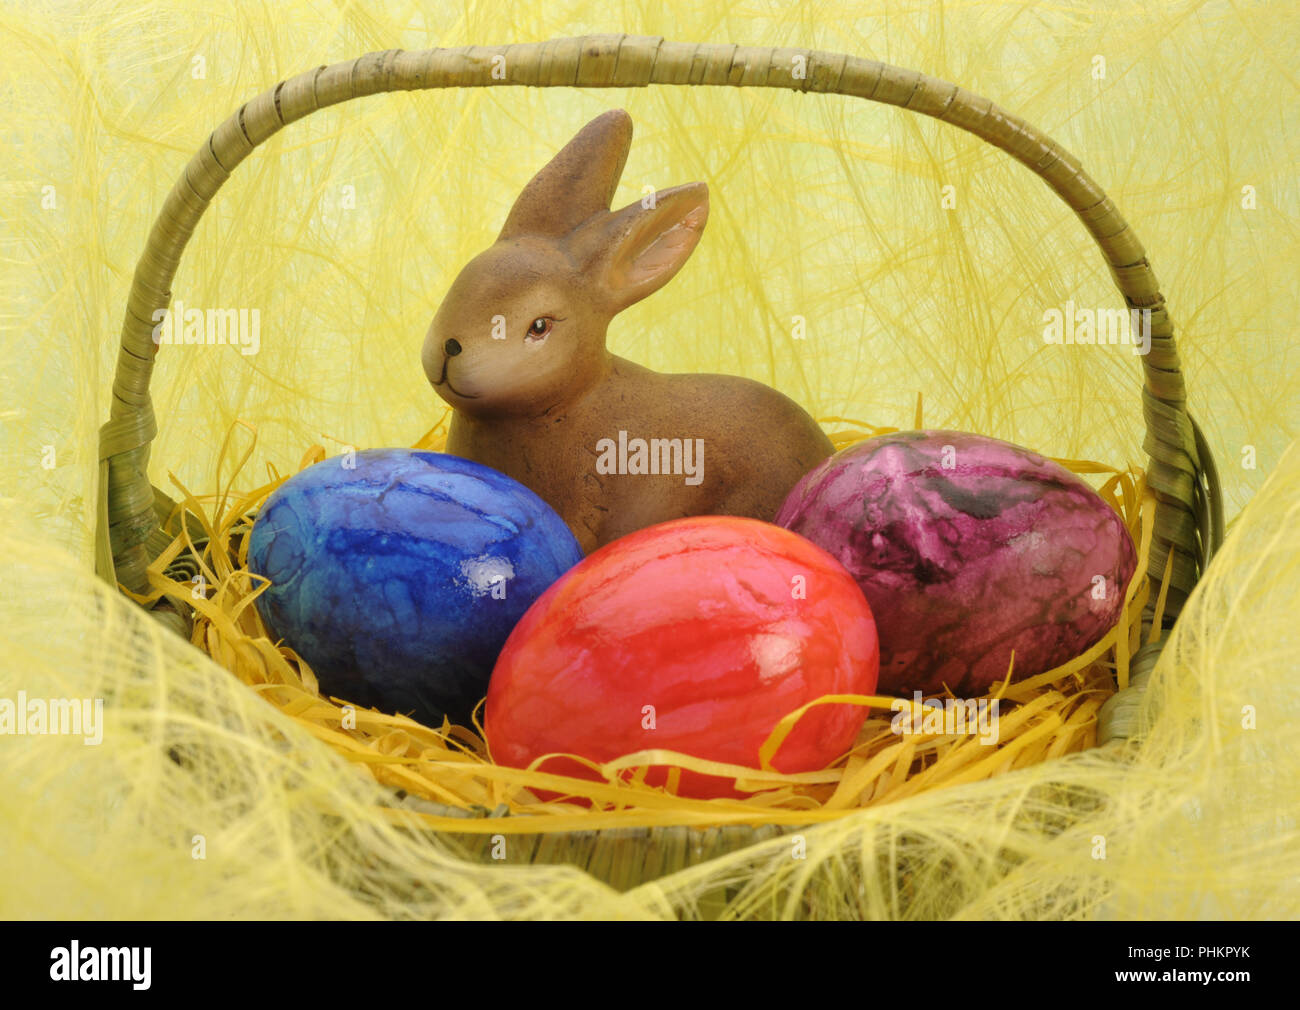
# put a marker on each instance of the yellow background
(823, 207)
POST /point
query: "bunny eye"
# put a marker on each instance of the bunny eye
(539, 329)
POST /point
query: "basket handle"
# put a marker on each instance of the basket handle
(1189, 520)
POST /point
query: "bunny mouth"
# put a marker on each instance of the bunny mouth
(447, 382)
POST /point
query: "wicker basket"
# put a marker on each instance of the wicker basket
(1188, 525)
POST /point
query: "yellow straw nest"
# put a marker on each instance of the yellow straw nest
(1038, 719)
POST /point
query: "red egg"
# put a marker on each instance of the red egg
(697, 636)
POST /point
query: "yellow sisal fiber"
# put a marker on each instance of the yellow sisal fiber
(837, 266)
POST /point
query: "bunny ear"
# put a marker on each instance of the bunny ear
(636, 251)
(577, 183)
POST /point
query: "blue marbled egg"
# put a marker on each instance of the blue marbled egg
(399, 579)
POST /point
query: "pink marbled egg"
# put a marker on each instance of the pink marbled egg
(967, 547)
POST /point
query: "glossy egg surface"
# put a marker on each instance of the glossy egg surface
(967, 547)
(399, 577)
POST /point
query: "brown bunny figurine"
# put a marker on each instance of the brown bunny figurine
(517, 348)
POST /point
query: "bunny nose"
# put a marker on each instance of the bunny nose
(452, 347)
